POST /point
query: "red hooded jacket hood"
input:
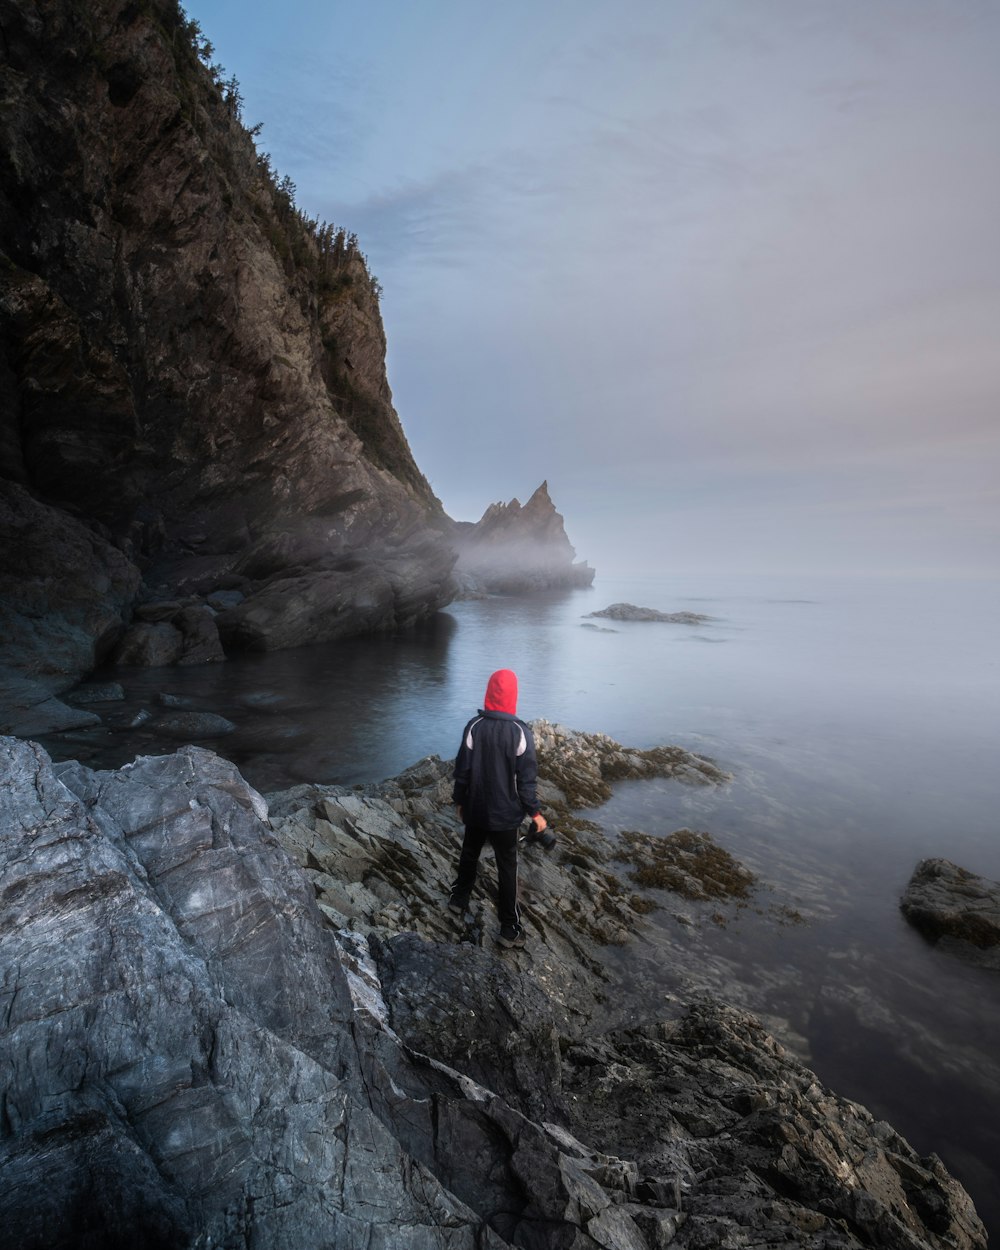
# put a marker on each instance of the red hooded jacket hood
(501, 692)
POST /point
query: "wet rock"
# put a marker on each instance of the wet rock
(333, 598)
(383, 858)
(765, 1154)
(95, 692)
(583, 765)
(47, 716)
(201, 643)
(476, 1013)
(629, 612)
(219, 1064)
(218, 1057)
(191, 726)
(64, 588)
(166, 699)
(689, 863)
(265, 701)
(150, 645)
(220, 600)
(954, 907)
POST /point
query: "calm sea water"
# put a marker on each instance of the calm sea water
(861, 722)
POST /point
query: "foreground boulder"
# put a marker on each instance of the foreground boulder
(955, 908)
(194, 1055)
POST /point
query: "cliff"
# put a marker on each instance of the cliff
(513, 549)
(233, 1022)
(193, 397)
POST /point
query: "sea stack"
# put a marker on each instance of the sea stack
(514, 549)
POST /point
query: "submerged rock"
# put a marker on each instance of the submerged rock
(190, 726)
(95, 692)
(629, 612)
(954, 907)
(28, 709)
(689, 863)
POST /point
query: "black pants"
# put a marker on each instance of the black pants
(505, 852)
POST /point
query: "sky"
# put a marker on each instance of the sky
(726, 273)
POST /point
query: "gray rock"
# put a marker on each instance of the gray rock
(129, 720)
(219, 1066)
(321, 604)
(150, 645)
(629, 612)
(191, 1051)
(765, 1154)
(201, 643)
(95, 692)
(476, 1013)
(64, 588)
(220, 600)
(165, 699)
(45, 717)
(265, 701)
(191, 726)
(949, 904)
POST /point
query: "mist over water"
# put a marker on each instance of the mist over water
(860, 722)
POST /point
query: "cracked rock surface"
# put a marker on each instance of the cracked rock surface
(206, 1043)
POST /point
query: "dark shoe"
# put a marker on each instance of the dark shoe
(458, 907)
(511, 937)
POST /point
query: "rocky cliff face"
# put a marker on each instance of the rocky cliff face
(512, 549)
(192, 381)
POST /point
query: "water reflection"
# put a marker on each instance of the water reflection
(335, 713)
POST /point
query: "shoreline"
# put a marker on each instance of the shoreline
(377, 857)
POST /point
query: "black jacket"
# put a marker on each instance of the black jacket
(496, 772)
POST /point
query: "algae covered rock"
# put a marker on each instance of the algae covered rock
(952, 906)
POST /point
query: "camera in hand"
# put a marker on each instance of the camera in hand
(544, 838)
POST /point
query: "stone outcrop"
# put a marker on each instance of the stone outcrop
(197, 1050)
(956, 909)
(64, 589)
(194, 1057)
(192, 373)
(629, 612)
(516, 550)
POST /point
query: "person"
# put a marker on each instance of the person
(495, 776)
